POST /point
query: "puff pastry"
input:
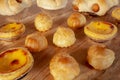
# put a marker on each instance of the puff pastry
(100, 57)
(52, 4)
(43, 22)
(98, 7)
(64, 67)
(64, 37)
(14, 63)
(36, 42)
(11, 31)
(100, 31)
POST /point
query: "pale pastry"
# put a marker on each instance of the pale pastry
(12, 7)
(76, 20)
(36, 42)
(15, 63)
(100, 31)
(100, 57)
(52, 4)
(43, 22)
(116, 13)
(64, 37)
(98, 7)
(11, 31)
(64, 67)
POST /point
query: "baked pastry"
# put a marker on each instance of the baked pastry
(64, 67)
(36, 42)
(52, 4)
(100, 57)
(98, 7)
(100, 31)
(64, 37)
(76, 20)
(14, 63)
(116, 13)
(43, 22)
(12, 7)
(11, 31)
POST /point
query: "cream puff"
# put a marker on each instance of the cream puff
(43, 22)
(64, 67)
(100, 31)
(100, 57)
(64, 37)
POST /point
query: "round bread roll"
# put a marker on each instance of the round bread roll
(116, 13)
(36, 42)
(100, 31)
(100, 57)
(11, 31)
(52, 4)
(64, 67)
(76, 20)
(43, 22)
(64, 37)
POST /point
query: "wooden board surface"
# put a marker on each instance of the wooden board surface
(40, 70)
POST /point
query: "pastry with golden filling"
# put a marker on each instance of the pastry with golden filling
(100, 57)
(116, 13)
(98, 7)
(64, 37)
(100, 31)
(11, 31)
(36, 42)
(52, 4)
(14, 63)
(64, 67)
(43, 22)
(76, 20)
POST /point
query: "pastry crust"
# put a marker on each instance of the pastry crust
(43, 22)
(52, 4)
(98, 7)
(64, 67)
(100, 31)
(116, 13)
(64, 37)
(100, 57)
(36, 42)
(11, 31)
(16, 66)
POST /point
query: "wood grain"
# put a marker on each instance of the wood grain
(40, 70)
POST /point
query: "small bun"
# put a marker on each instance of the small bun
(43, 22)
(64, 37)
(116, 13)
(64, 67)
(36, 42)
(52, 4)
(100, 31)
(76, 20)
(100, 57)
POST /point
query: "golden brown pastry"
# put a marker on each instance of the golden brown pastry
(76, 20)
(11, 31)
(64, 67)
(116, 13)
(14, 63)
(100, 57)
(100, 31)
(64, 37)
(98, 7)
(36, 42)
(43, 22)
(52, 4)
(12, 7)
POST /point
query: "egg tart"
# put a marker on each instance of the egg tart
(100, 31)
(116, 13)
(11, 31)
(14, 63)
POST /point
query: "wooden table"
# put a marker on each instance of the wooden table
(40, 70)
